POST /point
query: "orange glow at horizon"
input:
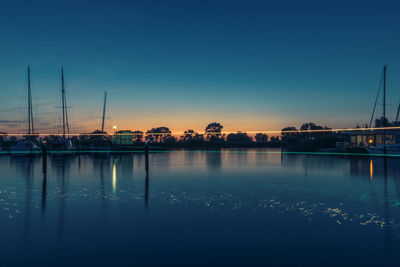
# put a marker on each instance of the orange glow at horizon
(277, 132)
(177, 121)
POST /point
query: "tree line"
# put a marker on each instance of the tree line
(212, 136)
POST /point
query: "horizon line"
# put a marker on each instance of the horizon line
(227, 132)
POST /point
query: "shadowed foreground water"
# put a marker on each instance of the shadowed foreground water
(200, 208)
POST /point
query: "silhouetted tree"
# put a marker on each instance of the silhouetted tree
(213, 131)
(137, 136)
(159, 135)
(214, 127)
(310, 126)
(289, 132)
(187, 135)
(261, 138)
(100, 138)
(3, 139)
(95, 138)
(315, 130)
(192, 137)
(290, 136)
(312, 137)
(238, 137)
(274, 141)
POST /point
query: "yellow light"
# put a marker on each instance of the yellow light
(371, 169)
(114, 127)
(370, 141)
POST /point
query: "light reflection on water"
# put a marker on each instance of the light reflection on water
(197, 207)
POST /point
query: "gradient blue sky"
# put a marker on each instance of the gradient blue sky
(251, 65)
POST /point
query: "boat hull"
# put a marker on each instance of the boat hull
(393, 149)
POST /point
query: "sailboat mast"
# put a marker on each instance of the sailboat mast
(384, 96)
(66, 114)
(104, 111)
(384, 109)
(63, 100)
(29, 100)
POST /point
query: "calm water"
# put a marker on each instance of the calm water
(200, 208)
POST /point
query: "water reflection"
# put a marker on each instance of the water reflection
(126, 165)
(79, 162)
(28, 198)
(101, 166)
(356, 197)
(353, 166)
(44, 182)
(114, 175)
(214, 159)
(388, 235)
(146, 186)
(24, 168)
(61, 165)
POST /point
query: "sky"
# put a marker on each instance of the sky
(250, 65)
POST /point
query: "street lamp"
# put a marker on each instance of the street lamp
(114, 127)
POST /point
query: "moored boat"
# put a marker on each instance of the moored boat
(27, 146)
(389, 137)
(393, 149)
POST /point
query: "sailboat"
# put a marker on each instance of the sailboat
(27, 146)
(385, 148)
(63, 144)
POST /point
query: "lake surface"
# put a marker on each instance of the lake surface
(227, 207)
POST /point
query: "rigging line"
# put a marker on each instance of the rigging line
(397, 115)
(104, 111)
(376, 100)
(30, 111)
(393, 96)
(33, 127)
(66, 114)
